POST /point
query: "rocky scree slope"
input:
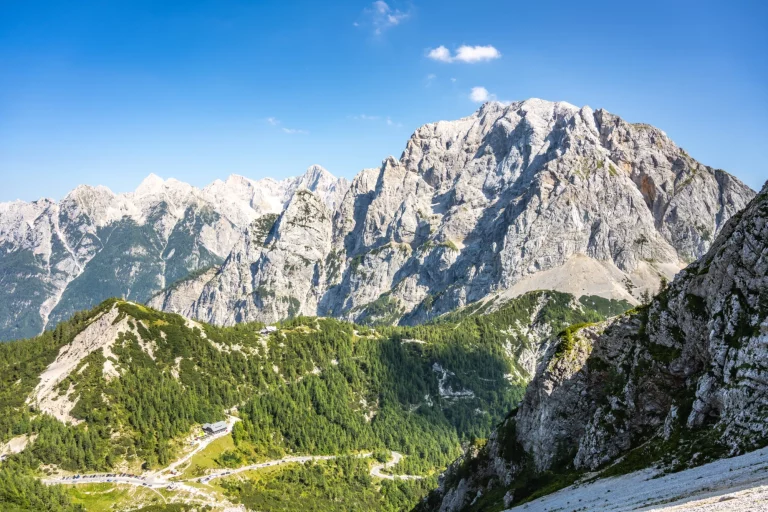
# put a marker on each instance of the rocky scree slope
(510, 199)
(677, 383)
(60, 257)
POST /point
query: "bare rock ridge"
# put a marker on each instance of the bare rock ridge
(60, 257)
(531, 195)
(677, 383)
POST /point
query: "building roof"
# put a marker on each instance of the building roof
(218, 426)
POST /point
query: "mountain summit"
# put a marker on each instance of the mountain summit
(530, 195)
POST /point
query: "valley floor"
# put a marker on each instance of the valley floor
(735, 484)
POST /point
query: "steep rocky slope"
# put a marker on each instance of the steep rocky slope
(677, 383)
(736, 484)
(510, 199)
(60, 257)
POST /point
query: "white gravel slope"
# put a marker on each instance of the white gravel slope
(735, 484)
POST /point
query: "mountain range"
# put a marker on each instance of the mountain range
(61, 257)
(530, 195)
(535, 297)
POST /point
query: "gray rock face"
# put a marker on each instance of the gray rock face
(680, 382)
(512, 198)
(280, 277)
(67, 256)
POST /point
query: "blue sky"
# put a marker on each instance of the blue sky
(108, 92)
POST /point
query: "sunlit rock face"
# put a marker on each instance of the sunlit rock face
(61, 257)
(530, 195)
(683, 381)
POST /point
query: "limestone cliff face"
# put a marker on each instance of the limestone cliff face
(679, 382)
(278, 278)
(513, 197)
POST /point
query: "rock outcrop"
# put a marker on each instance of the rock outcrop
(510, 199)
(677, 383)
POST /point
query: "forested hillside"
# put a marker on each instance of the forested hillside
(313, 386)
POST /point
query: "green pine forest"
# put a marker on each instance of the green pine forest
(315, 386)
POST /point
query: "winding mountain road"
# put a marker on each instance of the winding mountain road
(396, 458)
(158, 479)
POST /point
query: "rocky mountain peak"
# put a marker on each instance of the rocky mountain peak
(152, 184)
(515, 197)
(329, 188)
(316, 175)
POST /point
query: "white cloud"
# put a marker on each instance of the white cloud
(273, 121)
(466, 54)
(471, 54)
(441, 53)
(365, 117)
(453, 80)
(380, 17)
(481, 95)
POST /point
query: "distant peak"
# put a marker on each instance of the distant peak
(150, 184)
(315, 176)
(317, 170)
(87, 191)
(90, 188)
(238, 179)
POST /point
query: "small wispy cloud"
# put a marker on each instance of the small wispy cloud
(380, 16)
(466, 54)
(291, 131)
(365, 117)
(481, 95)
(429, 79)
